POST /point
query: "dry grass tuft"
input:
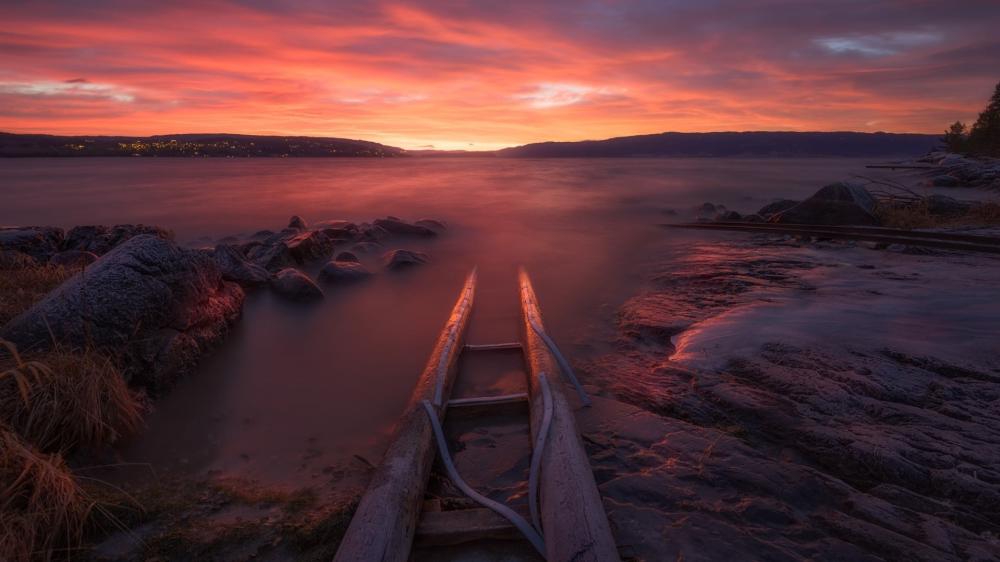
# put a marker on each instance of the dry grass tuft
(918, 215)
(42, 507)
(54, 403)
(24, 286)
(67, 400)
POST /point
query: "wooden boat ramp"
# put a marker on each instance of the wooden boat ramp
(418, 506)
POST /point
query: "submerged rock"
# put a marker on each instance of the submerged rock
(39, 242)
(402, 259)
(154, 306)
(297, 223)
(237, 268)
(101, 239)
(347, 256)
(344, 272)
(367, 247)
(73, 258)
(399, 228)
(295, 285)
(431, 224)
(839, 203)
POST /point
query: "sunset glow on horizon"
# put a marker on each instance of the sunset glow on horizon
(478, 76)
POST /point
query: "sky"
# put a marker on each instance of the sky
(480, 75)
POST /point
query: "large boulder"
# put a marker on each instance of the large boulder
(237, 268)
(39, 242)
(292, 284)
(152, 305)
(835, 204)
(403, 259)
(343, 272)
(100, 239)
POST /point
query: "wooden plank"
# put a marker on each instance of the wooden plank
(488, 400)
(494, 346)
(383, 526)
(573, 518)
(439, 528)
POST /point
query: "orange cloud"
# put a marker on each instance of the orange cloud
(472, 75)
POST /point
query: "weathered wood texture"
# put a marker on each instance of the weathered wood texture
(573, 518)
(383, 526)
(464, 525)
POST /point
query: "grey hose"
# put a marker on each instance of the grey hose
(536, 453)
(522, 525)
(563, 363)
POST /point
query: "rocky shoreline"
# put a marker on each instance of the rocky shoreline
(157, 306)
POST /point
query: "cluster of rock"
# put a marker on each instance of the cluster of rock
(841, 203)
(157, 307)
(955, 170)
(273, 258)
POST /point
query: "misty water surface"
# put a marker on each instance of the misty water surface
(298, 387)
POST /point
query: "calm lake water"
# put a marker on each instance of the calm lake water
(298, 388)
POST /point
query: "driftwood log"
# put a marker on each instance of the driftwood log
(573, 518)
(383, 526)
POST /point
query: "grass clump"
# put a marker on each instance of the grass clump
(51, 405)
(918, 215)
(42, 506)
(23, 286)
(67, 400)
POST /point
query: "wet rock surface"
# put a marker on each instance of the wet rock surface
(758, 428)
(343, 272)
(294, 285)
(396, 260)
(152, 305)
(236, 268)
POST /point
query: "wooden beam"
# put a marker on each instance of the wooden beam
(573, 519)
(438, 528)
(383, 526)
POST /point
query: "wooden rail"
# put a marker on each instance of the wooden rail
(573, 518)
(383, 526)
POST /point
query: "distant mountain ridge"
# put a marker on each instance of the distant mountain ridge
(191, 145)
(757, 143)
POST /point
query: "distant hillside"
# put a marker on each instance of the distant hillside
(190, 145)
(736, 144)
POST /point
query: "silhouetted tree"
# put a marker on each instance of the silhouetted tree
(985, 135)
(956, 137)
